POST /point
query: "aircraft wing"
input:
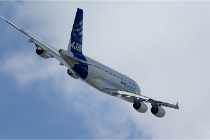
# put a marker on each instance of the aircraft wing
(137, 97)
(35, 39)
(23, 31)
(41, 44)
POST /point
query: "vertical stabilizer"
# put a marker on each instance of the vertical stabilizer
(75, 42)
(75, 46)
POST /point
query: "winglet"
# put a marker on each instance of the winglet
(177, 105)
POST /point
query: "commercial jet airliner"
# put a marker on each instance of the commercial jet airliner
(94, 73)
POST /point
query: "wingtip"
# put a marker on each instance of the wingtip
(177, 105)
(3, 17)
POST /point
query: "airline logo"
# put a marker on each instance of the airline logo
(77, 47)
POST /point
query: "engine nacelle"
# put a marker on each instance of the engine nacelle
(140, 107)
(158, 111)
(71, 74)
(42, 53)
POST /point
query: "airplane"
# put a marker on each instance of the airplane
(94, 73)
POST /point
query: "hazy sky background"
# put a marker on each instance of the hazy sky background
(163, 46)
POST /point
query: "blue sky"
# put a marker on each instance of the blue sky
(164, 46)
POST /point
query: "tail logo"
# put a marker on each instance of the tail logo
(76, 46)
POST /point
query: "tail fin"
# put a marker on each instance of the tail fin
(75, 42)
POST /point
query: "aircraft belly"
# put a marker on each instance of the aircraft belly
(100, 84)
(94, 80)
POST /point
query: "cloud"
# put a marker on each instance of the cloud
(26, 67)
(163, 46)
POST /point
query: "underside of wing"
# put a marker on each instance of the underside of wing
(137, 97)
(140, 100)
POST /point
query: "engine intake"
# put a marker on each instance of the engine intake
(140, 107)
(158, 111)
(71, 74)
(41, 52)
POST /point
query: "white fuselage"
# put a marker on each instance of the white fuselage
(102, 77)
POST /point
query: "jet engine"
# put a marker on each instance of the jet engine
(71, 74)
(140, 107)
(42, 53)
(158, 111)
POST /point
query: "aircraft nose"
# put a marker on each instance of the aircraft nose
(60, 50)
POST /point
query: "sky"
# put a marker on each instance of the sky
(163, 46)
